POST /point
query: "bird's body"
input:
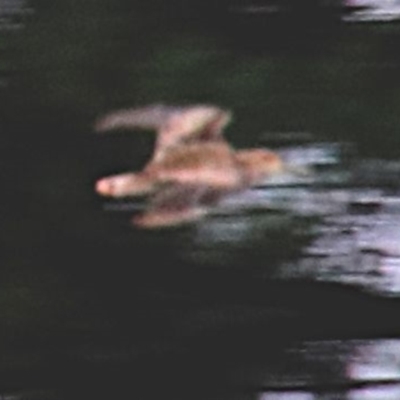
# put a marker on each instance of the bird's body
(215, 165)
(210, 164)
(191, 169)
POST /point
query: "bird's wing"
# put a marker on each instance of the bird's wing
(198, 122)
(195, 124)
(150, 117)
(173, 123)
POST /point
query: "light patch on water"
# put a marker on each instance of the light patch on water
(392, 205)
(366, 196)
(301, 200)
(224, 230)
(373, 363)
(375, 10)
(381, 392)
(295, 176)
(356, 227)
(383, 237)
(287, 396)
(313, 154)
(390, 269)
(249, 199)
(357, 239)
(377, 360)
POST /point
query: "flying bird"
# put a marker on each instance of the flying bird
(190, 191)
(192, 168)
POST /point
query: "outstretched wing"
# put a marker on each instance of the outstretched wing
(174, 125)
(150, 117)
(178, 204)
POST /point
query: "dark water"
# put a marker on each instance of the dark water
(287, 291)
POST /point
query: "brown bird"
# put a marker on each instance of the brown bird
(192, 167)
(192, 192)
(174, 125)
(189, 179)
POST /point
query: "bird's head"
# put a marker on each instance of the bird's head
(259, 164)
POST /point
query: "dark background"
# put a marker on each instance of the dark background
(91, 307)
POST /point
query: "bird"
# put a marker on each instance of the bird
(190, 179)
(193, 192)
(196, 163)
(193, 166)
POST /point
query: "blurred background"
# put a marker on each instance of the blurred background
(288, 291)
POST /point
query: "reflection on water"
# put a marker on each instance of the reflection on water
(358, 235)
(327, 369)
(372, 10)
(287, 395)
(356, 226)
(344, 218)
(389, 392)
(352, 369)
(375, 360)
